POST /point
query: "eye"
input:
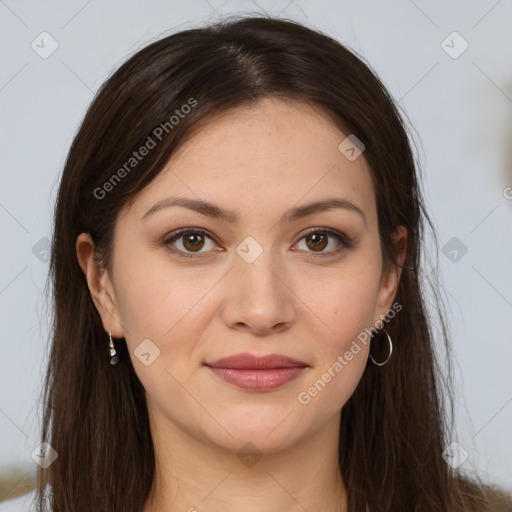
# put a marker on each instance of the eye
(193, 240)
(190, 239)
(317, 239)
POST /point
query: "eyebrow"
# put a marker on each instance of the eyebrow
(212, 210)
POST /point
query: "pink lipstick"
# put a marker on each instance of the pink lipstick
(257, 373)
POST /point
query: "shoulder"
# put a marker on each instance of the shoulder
(22, 503)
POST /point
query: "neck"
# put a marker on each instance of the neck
(192, 475)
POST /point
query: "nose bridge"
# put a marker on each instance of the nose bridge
(260, 297)
(258, 267)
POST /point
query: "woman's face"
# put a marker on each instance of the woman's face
(256, 281)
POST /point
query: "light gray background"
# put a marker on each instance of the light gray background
(460, 108)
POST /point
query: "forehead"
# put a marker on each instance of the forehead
(271, 155)
(272, 128)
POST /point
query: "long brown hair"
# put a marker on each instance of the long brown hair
(396, 424)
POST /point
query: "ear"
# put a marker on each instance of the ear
(391, 277)
(100, 286)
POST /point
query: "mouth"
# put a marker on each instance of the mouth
(257, 373)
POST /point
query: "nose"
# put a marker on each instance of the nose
(258, 298)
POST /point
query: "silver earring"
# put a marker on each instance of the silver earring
(114, 358)
(390, 351)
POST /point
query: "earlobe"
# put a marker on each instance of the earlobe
(99, 284)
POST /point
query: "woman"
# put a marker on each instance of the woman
(239, 315)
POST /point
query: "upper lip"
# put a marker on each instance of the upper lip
(252, 362)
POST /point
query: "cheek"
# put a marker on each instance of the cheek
(172, 308)
(340, 362)
(345, 306)
(344, 302)
(152, 300)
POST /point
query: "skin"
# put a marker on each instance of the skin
(294, 299)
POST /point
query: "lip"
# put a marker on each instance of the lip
(247, 361)
(257, 373)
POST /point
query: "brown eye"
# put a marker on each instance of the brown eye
(193, 242)
(318, 241)
(189, 243)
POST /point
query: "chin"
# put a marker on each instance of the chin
(270, 436)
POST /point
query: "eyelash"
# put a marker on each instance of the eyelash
(345, 242)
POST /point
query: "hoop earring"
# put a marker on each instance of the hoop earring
(390, 351)
(114, 357)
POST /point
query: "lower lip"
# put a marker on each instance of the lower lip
(258, 380)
